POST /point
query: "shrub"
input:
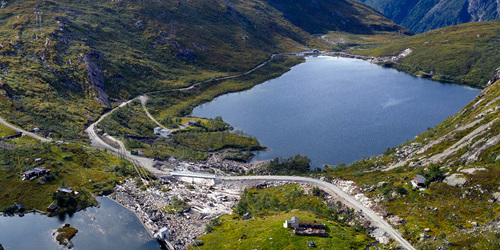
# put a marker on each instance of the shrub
(9, 210)
(401, 190)
(198, 243)
(213, 223)
(316, 191)
(294, 165)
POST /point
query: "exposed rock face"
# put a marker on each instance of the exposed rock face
(496, 75)
(423, 15)
(455, 180)
(482, 10)
(96, 77)
(496, 196)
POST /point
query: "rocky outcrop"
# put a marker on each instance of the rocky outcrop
(496, 75)
(423, 15)
(455, 180)
(483, 10)
(96, 77)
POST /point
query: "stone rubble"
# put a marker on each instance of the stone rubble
(206, 202)
(211, 201)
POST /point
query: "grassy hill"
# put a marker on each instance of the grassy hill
(466, 53)
(72, 165)
(270, 207)
(63, 71)
(424, 15)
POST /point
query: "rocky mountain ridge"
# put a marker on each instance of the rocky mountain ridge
(424, 15)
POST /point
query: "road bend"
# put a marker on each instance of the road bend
(30, 134)
(377, 220)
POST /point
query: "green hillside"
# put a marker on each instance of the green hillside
(63, 71)
(466, 53)
(270, 207)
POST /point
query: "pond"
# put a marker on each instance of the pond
(337, 109)
(109, 226)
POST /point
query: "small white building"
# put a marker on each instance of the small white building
(161, 132)
(418, 181)
(292, 223)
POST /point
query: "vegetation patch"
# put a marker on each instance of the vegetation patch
(65, 234)
(86, 170)
(270, 207)
(297, 164)
(462, 54)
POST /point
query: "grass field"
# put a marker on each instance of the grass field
(265, 231)
(6, 131)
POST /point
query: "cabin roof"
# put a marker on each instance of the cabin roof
(420, 179)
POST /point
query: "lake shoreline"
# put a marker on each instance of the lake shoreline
(411, 92)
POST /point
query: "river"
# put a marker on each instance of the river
(337, 109)
(109, 226)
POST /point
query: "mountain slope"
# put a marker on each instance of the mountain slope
(322, 16)
(423, 15)
(61, 72)
(466, 53)
(459, 206)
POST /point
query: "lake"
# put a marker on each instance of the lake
(337, 109)
(109, 226)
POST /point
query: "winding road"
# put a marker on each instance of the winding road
(147, 163)
(335, 191)
(30, 134)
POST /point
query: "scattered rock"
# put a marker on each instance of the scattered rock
(424, 236)
(455, 180)
(396, 220)
(472, 170)
(496, 196)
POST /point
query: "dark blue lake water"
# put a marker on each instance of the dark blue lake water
(337, 110)
(109, 226)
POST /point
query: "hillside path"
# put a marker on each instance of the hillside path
(30, 134)
(332, 189)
